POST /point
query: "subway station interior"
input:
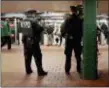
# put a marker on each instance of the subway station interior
(51, 15)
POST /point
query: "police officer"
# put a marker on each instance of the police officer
(31, 37)
(72, 31)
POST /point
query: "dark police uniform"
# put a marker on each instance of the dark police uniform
(31, 37)
(72, 30)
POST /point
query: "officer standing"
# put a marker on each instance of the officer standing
(31, 37)
(72, 31)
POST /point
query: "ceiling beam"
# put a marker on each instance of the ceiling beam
(20, 6)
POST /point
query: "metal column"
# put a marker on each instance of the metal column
(15, 24)
(89, 41)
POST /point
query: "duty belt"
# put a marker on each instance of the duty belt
(29, 40)
(70, 37)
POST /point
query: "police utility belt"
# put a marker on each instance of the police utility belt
(70, 37)
(30, 40)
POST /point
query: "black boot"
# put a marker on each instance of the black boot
(42, 73)
(78, 60)
(29, 72)
(28, 64)
(40, 70)
(79, 67)
(68, 65)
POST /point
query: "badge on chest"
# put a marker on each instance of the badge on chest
(25, 24)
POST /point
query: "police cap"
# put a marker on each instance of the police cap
(31, 12)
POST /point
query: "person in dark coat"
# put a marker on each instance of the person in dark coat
(31, 37)
(72, 31)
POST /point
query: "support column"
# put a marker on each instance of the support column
(89, 41)
(15, 24)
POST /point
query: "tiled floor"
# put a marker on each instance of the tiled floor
(13, 72)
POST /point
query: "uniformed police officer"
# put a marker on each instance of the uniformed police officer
(31, 37)
(72, 31)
